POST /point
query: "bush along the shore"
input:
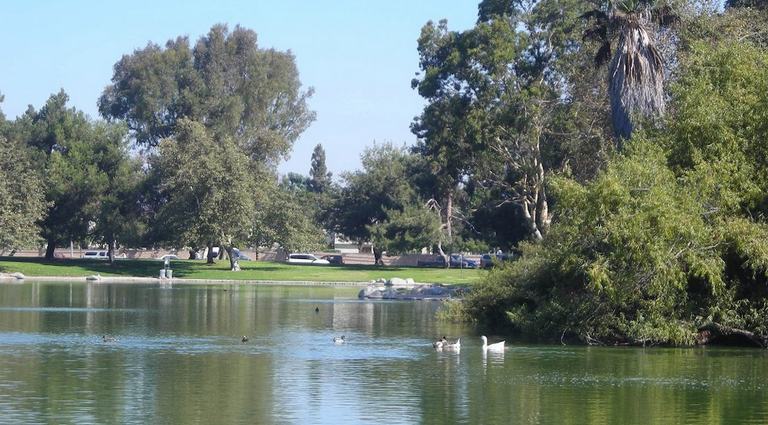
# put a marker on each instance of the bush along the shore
(668, 245)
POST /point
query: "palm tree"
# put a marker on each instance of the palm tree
(635, 72)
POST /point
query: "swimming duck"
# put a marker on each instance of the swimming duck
(440, 343)
(339, 340)
(498, 346)
(455, 346)
(108, 338)
(244, 339)
(317, 309)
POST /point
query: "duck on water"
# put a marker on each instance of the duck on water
(497, 346)
(443, 344)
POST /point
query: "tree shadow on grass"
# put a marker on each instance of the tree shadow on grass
(121, 267)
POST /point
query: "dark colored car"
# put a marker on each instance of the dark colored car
(487, 260)
(334, 259)
(458, 261)
(438, 261)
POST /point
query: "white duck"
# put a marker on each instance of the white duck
(339, 340)
(498, 346)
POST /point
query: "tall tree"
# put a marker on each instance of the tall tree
(22, 197)
(286, 218)
(65, 153)
(381, 186)
(225, 82)
(489, 103)
(208, 188)
(118, 216)
(408, 230)
(319, 176)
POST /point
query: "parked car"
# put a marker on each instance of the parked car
(306, 259)
(458, 261)
(334, 259)
(97, 255)
(489, 260)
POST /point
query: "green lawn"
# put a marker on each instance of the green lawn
(251, 270)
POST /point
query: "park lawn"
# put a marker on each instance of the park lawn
(251, 270)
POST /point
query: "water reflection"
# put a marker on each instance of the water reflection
(179, 359)
(495, 358)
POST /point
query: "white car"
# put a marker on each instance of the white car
(97, 255)
(306, 259)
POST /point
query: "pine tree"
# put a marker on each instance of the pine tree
(319, 176)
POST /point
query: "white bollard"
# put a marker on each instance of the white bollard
(162, 273)
(169, 274)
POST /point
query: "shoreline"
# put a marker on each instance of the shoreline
(174, 281)
(12, 278)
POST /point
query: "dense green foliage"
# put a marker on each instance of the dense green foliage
(21, 197)
(84, 165)
(225, 82)
(207, 186)
(319, 176)
(669, 236)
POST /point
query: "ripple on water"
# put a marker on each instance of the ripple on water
(72, 309)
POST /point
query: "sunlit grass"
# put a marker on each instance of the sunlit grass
(251, 270)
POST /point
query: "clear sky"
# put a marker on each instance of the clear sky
(359, 55)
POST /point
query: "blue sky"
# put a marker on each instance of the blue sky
(358, 55)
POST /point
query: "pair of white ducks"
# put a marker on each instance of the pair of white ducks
(443, 344)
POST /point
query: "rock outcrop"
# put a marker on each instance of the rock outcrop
(407, 289)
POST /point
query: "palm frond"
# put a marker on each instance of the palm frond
(636, 80)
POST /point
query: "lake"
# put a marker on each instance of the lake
(178, 358)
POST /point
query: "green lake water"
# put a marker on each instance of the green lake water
(178, 359)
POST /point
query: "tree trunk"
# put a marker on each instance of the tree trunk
(377, 253)
(543, 218)
(530, 214)
(111, 251)
(50, 249)
(210, 255)
(449, 216)
(442, 254)
(193, 253)
(234, 265)
(717, 334)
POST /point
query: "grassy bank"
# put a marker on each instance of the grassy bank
(251, 270)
